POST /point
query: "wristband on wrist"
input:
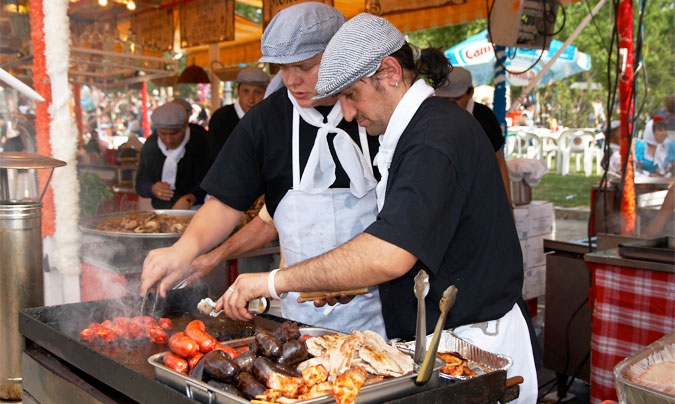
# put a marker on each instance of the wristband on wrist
(270, 285)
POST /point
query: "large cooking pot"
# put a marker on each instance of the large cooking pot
(123, 252)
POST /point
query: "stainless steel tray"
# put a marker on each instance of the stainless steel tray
(628, 390)
(89, 225)
(479, 360)
(658, 249)
(388, 389)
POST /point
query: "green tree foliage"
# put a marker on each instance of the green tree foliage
(572, 107)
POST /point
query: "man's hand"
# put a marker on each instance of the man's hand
(164, 267)
(162, 190)
(205, 264)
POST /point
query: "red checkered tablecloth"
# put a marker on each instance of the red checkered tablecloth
(631, 309)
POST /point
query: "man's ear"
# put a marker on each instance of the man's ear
(392, 69)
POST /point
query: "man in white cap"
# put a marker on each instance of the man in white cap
(173, 161)
(460, 90)
(251, 85)
(313, 167)
(442, 204)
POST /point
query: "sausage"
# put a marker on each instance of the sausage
(175, 362)
(226, 387)
(219, 366)
(193, 360)
(245, 361)
(182, 345)
(87, 334)
(269, 345)
(157, 335)
(293, 352)
(197, 331)
(248, 385)
(196, 370)
(231, 352)
(263, 367)
(165, 323)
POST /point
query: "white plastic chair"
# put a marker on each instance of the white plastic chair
(528, 145)
(580, 144)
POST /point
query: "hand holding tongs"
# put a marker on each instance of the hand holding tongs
(421, 290)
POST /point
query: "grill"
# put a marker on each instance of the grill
(120, 372)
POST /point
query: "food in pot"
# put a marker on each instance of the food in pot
(145, 223)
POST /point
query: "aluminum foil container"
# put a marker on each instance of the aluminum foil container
(626, 372)
(479, 360)
(389, 389)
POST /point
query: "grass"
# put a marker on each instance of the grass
(569, 191)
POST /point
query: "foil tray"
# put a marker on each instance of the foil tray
(479, 360)
(629, 391)
(389, 389)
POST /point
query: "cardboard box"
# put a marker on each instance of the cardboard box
(533, 250)
(534, 219)
(534, 283)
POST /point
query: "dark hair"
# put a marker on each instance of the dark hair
(431, 63)
(661, 125)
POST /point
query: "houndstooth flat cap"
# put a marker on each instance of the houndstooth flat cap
(299, 32)
(356, 51)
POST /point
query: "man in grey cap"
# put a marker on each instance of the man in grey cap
(313, 167)
(251, 85)
(460, 89)
(173, 161)
(194, 127)
(441, 202)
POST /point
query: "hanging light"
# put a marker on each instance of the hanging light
(102, 3)
(193, 74)
(131, 5)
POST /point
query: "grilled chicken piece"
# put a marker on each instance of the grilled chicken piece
(348, 385)
(314, 375)
(289, 386)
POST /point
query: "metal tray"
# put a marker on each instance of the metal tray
(89, 225)
(657, 249)
(629, 391)
(389, 389)
(479, 360)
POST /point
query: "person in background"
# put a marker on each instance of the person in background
(251, 85)
(314, 168)
(663, 225)
(668, 112)
(611, 161)
(173, 161)
(460, 90)
(194, 128)
(441, 207)
(654, 155)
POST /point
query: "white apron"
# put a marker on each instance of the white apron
(312, 219)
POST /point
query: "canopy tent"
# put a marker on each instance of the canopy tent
(521, 65)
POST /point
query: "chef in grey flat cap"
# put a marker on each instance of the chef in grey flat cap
(251, 85)
(314, 168)
(173, 161)
(441, 202)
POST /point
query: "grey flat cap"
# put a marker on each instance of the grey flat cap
(459, 81)
(170, 115)
(299, 32)
(183, 103)
(356, 50)
(253, 75)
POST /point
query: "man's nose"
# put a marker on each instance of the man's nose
(348, 111)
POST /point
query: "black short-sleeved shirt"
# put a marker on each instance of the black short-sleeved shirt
(221, 124)
(258, 157)
(191, 169)
(488, 121)
(445, 204)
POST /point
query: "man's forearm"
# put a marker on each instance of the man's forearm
(254, 235)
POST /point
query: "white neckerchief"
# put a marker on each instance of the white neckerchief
(238, 109)
(170, 168)
(399, 120)
(469, 106)
(319, 172)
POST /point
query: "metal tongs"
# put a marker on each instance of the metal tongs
(421, 291)
(153, 309)
(427, 368)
